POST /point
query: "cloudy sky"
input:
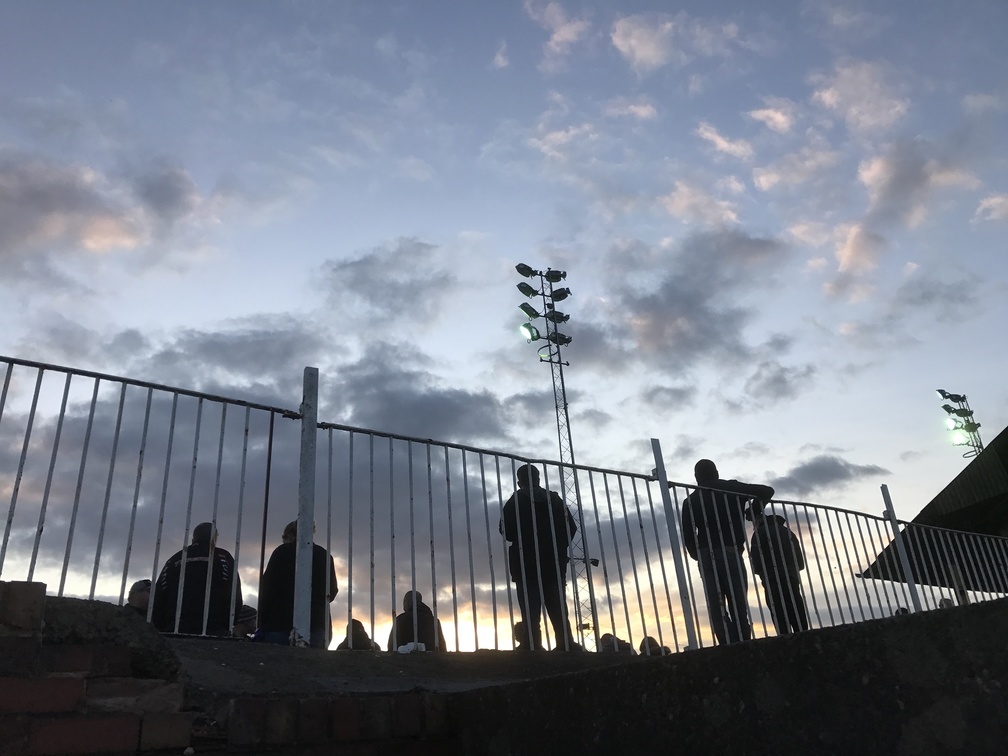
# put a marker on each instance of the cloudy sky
(783, 223)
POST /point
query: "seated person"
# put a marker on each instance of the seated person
(139, 598)
(245, 622)
(609, 643)
(428, 629)
(650, 647)
(357, 639)
(276, 593)
(194, 583)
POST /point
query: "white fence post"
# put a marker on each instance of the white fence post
(301, 632)
(901, 548)
(680, 568)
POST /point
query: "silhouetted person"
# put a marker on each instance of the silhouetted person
(540, 528)
(650, 647)
(520, 636)
(246, 619)
(713, 526)
(357, 639)
(900, 611)
(193, 583)
(777, 558)
(416, 624)
(610, 644)
(276, 592)
(139, 598)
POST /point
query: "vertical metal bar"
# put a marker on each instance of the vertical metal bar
(430, 514)
(605, 563)
(266, 497)
(665, 583)
(77, 491)
(164, 499)
(633, 557)
(819, 560)
(212, 552)
(489, 542)
(878, 598)
(504, 544)
(392, 543)
(556, 565)
(328, 545)
(371, 509)
(108, 491)
(451, 550)
(49, 477)
(808, 570)
(616, 550)
(472, 569)
(877, 544)
(241, 508)
(350, 541)
(20, 469)
(188, 521)
(301, 628)
(136, 498)
(677, 549)
(412, 526)
(843, 582)
(6, 385)
(900, 548)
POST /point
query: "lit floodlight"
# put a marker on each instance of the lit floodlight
(525, 270)
(527, 290)
(560, 339)
(952, 423)
(530, 332)
(554, 276)
(959, 438)
(555, 316)
(529, 310)
(559, 295)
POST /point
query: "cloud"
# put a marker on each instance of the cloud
(500, 59)
(778, 115)
(738, 148)
(796, 168)
(858, 92)
(993, 207)
(391, 389)
(565, 32)
(983, 102)
(652, 40)
(774, 382)
(685, 304)
(902, 183)
(692, 204)
(822, 472)
(402, 282)
(640, 108)
(859, 251)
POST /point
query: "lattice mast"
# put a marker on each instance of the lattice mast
(585, 613)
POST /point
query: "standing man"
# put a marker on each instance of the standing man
(276, 592)
(713, 527)
(777, 559)
(540, 528)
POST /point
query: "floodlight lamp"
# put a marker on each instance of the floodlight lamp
(957, 398)
(952, 424)
(529, 310)
(554, 276)
(559, 295)
(971, 427)
(525, 270)
(530, 332)
(527, 290)
(555, 316)
(959, 438)
(560, 339)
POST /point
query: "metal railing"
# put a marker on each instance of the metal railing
(105, 476)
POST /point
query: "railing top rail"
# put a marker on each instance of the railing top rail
(478, 450)
(288, 413)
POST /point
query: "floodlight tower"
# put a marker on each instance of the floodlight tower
(584, 595)
(965, 430)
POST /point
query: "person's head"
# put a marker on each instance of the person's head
(900, 611)
(139, 594)
(245, 621)
(356, 630)
(528, 476)
(705, 471)
(290, 532)
(519, 632)
(754, 512)
(946, 603)
(411, 599)
(205, 532)
(650, 646)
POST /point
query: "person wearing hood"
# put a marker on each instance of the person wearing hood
(777, 559)
(417, 624)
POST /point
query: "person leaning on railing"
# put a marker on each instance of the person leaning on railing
(713, 526)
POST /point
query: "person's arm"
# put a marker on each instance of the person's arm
(509, 520)
(391, 637)
(750, 490)
(688, 529)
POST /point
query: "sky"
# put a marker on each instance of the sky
(782, 223)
